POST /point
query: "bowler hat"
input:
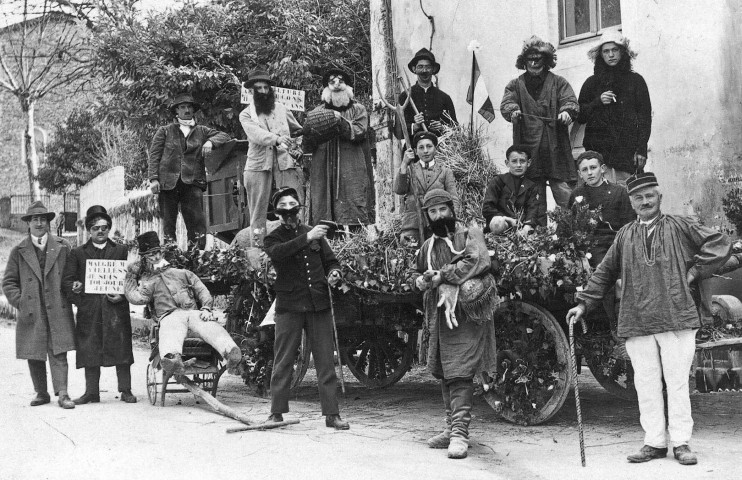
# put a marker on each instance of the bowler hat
(424, 54)
(641, 180)
(148, 242)
(184, 98)
(435, 197)
(96, 211)
(283, 192)
(37, 208)
(333, 71)
(258, 76)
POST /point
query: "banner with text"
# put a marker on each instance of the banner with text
(104, 276)
(291, 99)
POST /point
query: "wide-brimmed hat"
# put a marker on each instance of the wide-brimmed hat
(611, 35)
(37, 208)
(148, 242)
(258, 76)
(96, 211)
(424, 54)
(184, 98)
(435, 197)
(641, 180)
(283, 192)
(333, 71)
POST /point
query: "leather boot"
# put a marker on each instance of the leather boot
(65, 402)
(172, 363)
(41, 398)
(444, 438)
(87, 398)
(275, 418)
(646, 454)
(234, 357)
(128, 397)
(683, 455)
(334, 421)
(462, 395)
(38, 377)
(92, 387)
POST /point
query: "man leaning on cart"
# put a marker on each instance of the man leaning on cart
(659, 258)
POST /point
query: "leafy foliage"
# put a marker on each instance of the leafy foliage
(732, 203)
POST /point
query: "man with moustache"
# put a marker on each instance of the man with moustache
(541, 106)
(340, 176)
(435, 107)
(103, 326)
(269, 127)
(659, 259)
(33, 285)
(460, 299)
(305, 266)
(177, 173)
(616, 109)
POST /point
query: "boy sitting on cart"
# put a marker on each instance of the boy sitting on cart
(511, 197)
(174, 293)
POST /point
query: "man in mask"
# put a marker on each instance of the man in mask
(305, 266)
(177, 173)
(269, 127)
(341, 176)
(460, 299)
(175, 295)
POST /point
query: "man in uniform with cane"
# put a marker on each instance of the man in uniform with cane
(305, 266)
(659, 259)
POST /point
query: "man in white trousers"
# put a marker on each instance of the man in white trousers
(659, 259)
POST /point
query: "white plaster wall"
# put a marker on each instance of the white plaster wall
(690, 54)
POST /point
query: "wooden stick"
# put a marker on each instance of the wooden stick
(215, 404)
(263, 426)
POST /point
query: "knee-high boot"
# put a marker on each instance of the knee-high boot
(462, 394)
(443, 439)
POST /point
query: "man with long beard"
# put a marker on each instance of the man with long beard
(269, 127)
(460, 299)
(340, 173)
(615, 106)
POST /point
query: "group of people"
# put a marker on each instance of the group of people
(658, 258)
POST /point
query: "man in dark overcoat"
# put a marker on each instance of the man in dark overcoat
(305, 265)
(177, 173)
(33, 285)
(103, 325)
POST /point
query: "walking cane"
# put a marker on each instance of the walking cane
(337, 343)
(573, 359)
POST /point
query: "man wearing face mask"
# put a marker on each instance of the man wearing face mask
(103, 327)
(174, 295)
(460, 299)
(269, 127)
(541, 106)
(341, 174)
(305, 266)
(177, 173)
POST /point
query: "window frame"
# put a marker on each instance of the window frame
(596, 28)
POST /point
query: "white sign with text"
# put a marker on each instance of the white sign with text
(104, 276)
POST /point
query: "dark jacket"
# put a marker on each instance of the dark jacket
(302, 268)
(433, 104)
(502, 200)
(103, 329)
(621, 129)
(615, 207)
(173, 156)
(37, 294)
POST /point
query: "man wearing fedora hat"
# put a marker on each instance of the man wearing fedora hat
(615, 108)
(659, 259)
(341, 178)
(180, 302)
(269, 127)
(435, 107)
(460, 299)
(103, 326)
(33, 285)
(177, 173)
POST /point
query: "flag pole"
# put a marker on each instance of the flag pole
(473, 87)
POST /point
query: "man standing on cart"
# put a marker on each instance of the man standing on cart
(305, 265)
(460, 299)
(659, 258)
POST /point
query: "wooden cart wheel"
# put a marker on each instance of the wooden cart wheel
(378, 357)
(302, 362)
(152, 374)
(615, 375)
(537, 315)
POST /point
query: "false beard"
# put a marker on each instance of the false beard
(339, 99)
(264, 102)
(443, 226)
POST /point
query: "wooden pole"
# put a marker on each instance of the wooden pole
(215, 404)
(263, 426)
(473, 88)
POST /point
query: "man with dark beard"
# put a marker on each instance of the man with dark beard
(615, 106)
(340, 172)
(305, 265)
(460, 299)
(269, 127)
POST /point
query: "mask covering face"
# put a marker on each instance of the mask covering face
(442, 226)
(283, 212)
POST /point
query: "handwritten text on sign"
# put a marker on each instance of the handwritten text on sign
(291, 99)
(104, 276)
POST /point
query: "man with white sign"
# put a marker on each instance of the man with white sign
(269, 127)
(93, 280)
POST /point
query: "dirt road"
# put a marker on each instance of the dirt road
(113, 440)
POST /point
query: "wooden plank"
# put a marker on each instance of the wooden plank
(727, 342)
